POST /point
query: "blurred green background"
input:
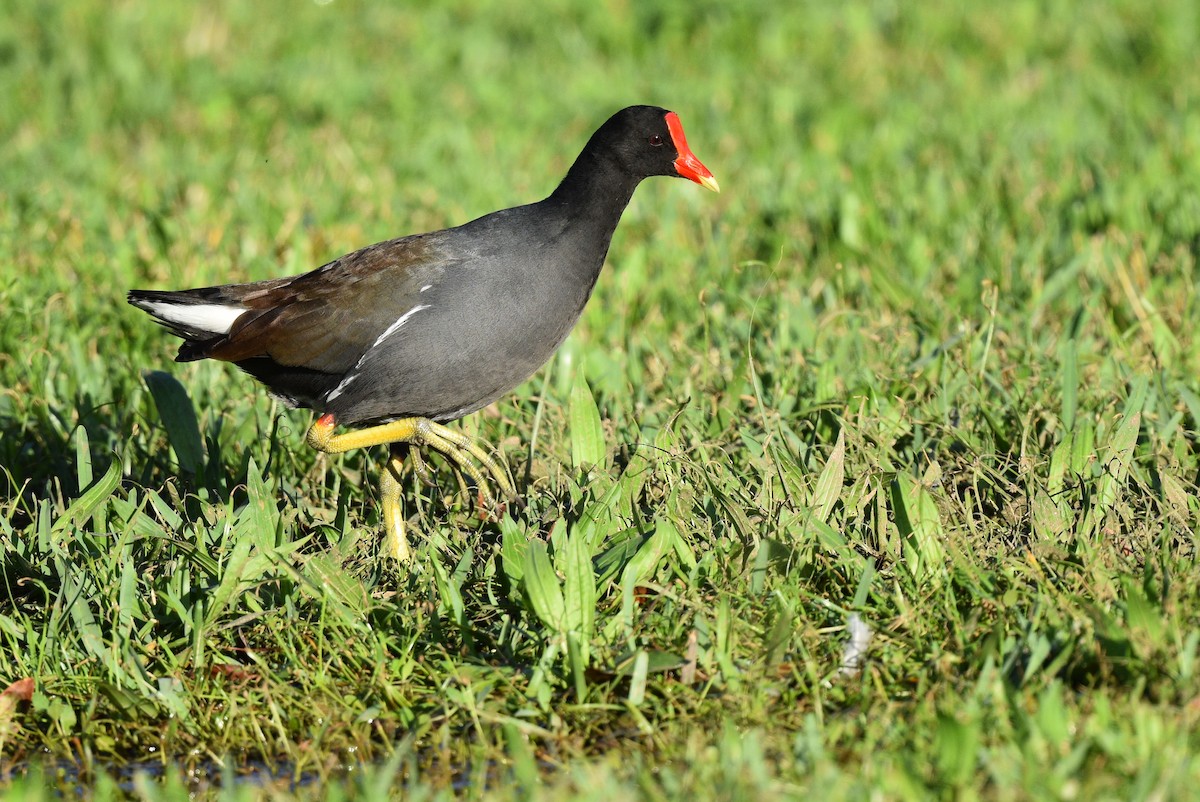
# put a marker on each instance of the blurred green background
(881, 157)
(963, 234)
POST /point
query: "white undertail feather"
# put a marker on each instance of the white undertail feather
(214, 318)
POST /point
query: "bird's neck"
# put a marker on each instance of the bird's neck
(594, 193)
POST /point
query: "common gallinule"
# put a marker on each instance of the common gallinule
(400, 336)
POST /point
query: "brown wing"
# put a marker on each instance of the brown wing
(325, 320)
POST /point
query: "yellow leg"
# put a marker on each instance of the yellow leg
(417, 432)
(395, 541)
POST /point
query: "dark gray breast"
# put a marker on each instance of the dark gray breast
(483, 310)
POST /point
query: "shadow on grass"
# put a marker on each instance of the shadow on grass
(44, 455)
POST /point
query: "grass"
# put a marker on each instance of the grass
(929, 359)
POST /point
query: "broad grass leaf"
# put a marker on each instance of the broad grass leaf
(524, 765)
(850, 213)
(619, 549)
(637, 680)
(1119, 456)
(587, 435)
(452, 599)
(831, 539)
(577, 657)
(83, 621)
(956, 748)
(179, 419)
(91, 499)
(829, 483)
(259, 519)
(1050, 518)
(779, 635)
(1136, 400)
(542, 586)
(666, 440)
(164, 509)
(579, 591)
(1144, 619)
(595, 519)
(1192, 402)
(232, 573)
(1083, 448)
(1052, 716)
(864, 583)
(645, 560)
(1059, 457)
(920, 528)
(683, 551)
(513, 546)
(83, 457)
(327, 574)
(1069, 374)
(1175, 497)
(129, 602)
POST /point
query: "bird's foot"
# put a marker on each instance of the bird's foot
(457, 447)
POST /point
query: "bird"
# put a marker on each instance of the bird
(395, 340)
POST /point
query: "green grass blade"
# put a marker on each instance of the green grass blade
(233, 574)
(91, 499)
(1069, 379)
(514, 545)
(259, 519)
(579, 591)
(451, 596)
(83, 457)
(587, 434)
(920, 528)
(542, 587)
(1118, 455)
(829, 483)
(637, 680)
(179, 419)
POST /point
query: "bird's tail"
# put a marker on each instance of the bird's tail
(194, 315)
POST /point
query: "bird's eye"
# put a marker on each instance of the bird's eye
(656, 140)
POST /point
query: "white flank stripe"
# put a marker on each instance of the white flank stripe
(342, 385)
(214, 318)
(392, 329)
(427, 287)
(353, 374)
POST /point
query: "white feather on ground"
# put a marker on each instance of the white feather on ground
(855, 650)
